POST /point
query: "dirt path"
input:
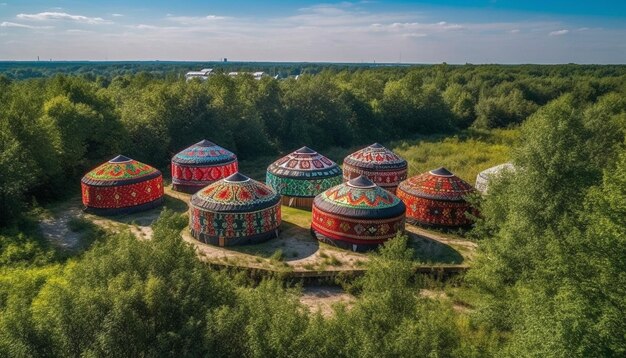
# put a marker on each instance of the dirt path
(440, 237)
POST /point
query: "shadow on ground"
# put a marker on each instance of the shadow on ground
(429, 251)
(146, 218)
(293, 243)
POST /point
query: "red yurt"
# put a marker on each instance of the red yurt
(234, 211)
(357, 215)
(122, 185)
(377, 163)
(436, 198)
(200, 165)
(301, 175)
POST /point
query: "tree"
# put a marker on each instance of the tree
(461, 103)
(541, 265)
(156, 292)
(411, 107)
(502, 110)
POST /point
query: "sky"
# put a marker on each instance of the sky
(454, 31)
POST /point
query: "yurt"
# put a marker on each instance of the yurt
(301, 175)
(234, 211)
(377, 163)
(200, 165)
(357, 215)
(483, 178)
(436, 198)
(120, 186)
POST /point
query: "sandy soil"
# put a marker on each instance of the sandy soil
(140, 224)
(56, 230)
(323, 298)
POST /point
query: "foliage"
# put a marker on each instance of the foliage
(156, 292)
(550, 267)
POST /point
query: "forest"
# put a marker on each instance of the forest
(549, 277)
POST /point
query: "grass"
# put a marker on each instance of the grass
(299, 217)
(333, 261)
(277, 256)
(465, 154)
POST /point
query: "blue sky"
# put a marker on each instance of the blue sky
(479, 31)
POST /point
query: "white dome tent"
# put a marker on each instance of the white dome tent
(483, 178)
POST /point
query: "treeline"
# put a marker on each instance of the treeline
(53, 129)
(92, 70)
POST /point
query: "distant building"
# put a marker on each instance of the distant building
(203, 74)
(256, 75)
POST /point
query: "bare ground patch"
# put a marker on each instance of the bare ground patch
(323, 298)
(55, 226)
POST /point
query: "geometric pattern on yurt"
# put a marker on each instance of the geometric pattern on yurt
(303, 173)
(235, 210)
(379, 164)
(118, 171)
(357, 214)
(121, 184)
(301, 187)
(201, 164)
(235, 225)
(437, 198)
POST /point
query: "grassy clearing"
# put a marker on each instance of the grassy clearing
(465, 154)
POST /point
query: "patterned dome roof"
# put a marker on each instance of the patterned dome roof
(204, 153)
(359, 198)
(304, 163)
(375, 157)
(438, 184)
(237, 193)
(120, 170)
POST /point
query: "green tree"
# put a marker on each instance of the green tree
(502, 110)
(540, 266)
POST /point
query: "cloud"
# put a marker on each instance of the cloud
(78, 31)
(340, 32)
(559, 32)
(43, 16)
(117, 15)
(24, 26)
(408, 28)
(414, 35)
(152, 27)
(194, 20)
